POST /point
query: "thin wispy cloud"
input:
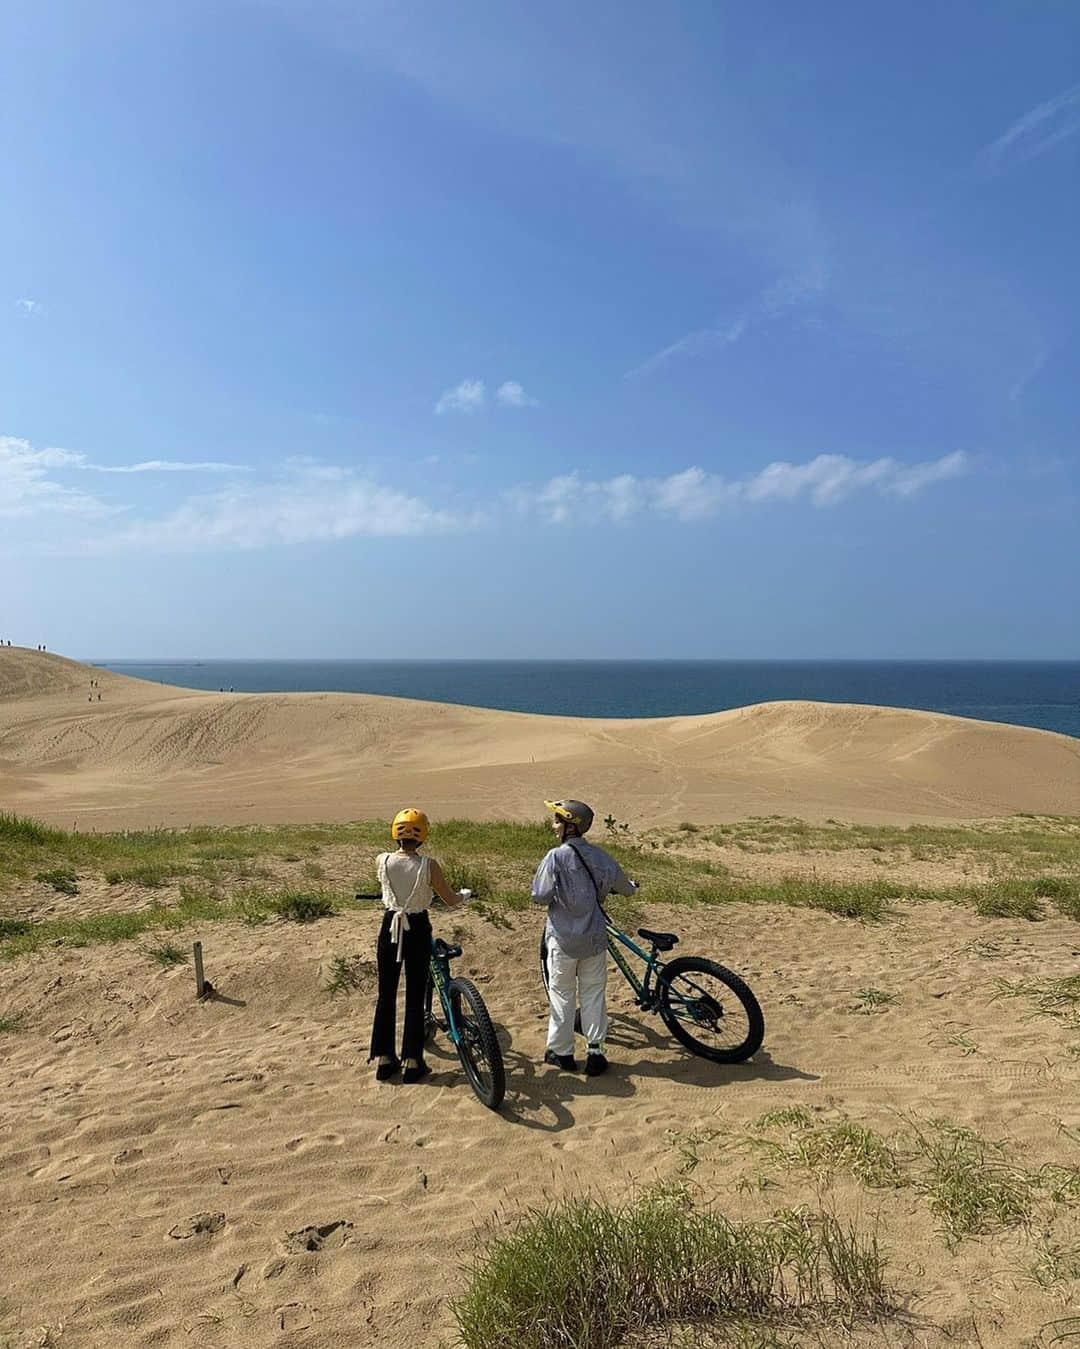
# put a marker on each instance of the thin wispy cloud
(307, 504)
(1046, 125)
(28, 483)
(29, 306)
(788, 293)
(468, 396)
(166, 466)
(28, 487)
(511, 394)
(695, 494)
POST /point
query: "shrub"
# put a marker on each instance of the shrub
(588, 1274)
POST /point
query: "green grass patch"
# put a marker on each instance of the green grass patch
(971, 1184)
(167, 954)
(868, 1000)
(589, 1274)
(62, 879)
(152, 874)
(1050, 997)
(299, 906)
(1009, 899)
(11, 1022)
(348, 973)
(253, 905)
(1018, 842)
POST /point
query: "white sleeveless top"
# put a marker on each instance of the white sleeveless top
(405, 879)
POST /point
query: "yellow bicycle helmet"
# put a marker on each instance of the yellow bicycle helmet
(409, 824)
(576, 813)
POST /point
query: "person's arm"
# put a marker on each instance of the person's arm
(543, 886)
(618, 881)
(441, 888)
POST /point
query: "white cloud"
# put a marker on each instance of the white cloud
(513, 395)
(309, 503)
(468, 396)
(26, 487)
(694, 494)
(165, 466)
(28, 306)
(1046, 125)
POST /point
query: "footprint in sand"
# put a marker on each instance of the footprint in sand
(328, 1237)
(295, 1316)
(199, 1224)
(305, 1144)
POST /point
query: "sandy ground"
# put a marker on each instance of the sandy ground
(147, 754)
(134, 1116)
(229, 1173)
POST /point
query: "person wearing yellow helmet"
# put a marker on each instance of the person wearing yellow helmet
(408, 882)
(573, 881)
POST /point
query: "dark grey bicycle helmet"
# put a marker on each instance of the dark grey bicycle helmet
(576, 813)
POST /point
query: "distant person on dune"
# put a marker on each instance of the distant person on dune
(408, 882)
(573, 881)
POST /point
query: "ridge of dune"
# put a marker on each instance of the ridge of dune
(154, 754)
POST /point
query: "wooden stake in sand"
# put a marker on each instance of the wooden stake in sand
(203, 986)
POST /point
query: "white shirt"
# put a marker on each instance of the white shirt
(405, 879)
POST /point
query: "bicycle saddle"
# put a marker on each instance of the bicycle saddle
(663, 941)
(443, 951)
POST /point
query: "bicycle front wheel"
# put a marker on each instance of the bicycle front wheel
(710, 1010)
(478, 1045)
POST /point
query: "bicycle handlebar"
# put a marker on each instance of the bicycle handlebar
(465, 894)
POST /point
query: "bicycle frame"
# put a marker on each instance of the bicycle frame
(440, 978)
(647, 996)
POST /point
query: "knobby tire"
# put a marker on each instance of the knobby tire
(668, 986)
(478, 1044)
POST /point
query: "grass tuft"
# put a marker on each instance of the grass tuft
(1009, 899)
(301, 907)
(12, 1022)
(348, 973)
(152, 874)
(588, 1274)
(167, 954)
(970, 1183)
(62, 879)
(1051, 997)
(868, 998)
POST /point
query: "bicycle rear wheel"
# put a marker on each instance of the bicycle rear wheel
(478, 1045)
(710, 1010)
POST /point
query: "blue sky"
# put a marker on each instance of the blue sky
(404, 330)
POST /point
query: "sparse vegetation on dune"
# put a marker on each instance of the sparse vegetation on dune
(972, 1185)
(1020, 842)
(591, 1274)
(207, 873)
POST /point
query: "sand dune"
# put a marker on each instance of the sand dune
(230, 1174)
(151, 754)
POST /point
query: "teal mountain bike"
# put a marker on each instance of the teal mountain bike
(465, 1020)
(705, 1006)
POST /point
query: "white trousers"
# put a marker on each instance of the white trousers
(573, 983)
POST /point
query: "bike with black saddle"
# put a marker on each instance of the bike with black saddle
(707, 1007)
(465, 1020)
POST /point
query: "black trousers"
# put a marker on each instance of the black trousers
(416, 950)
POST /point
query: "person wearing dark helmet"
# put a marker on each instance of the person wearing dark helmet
(573, 881)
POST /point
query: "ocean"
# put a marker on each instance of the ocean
(1044, 694)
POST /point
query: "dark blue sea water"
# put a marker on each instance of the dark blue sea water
(1045, 694)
